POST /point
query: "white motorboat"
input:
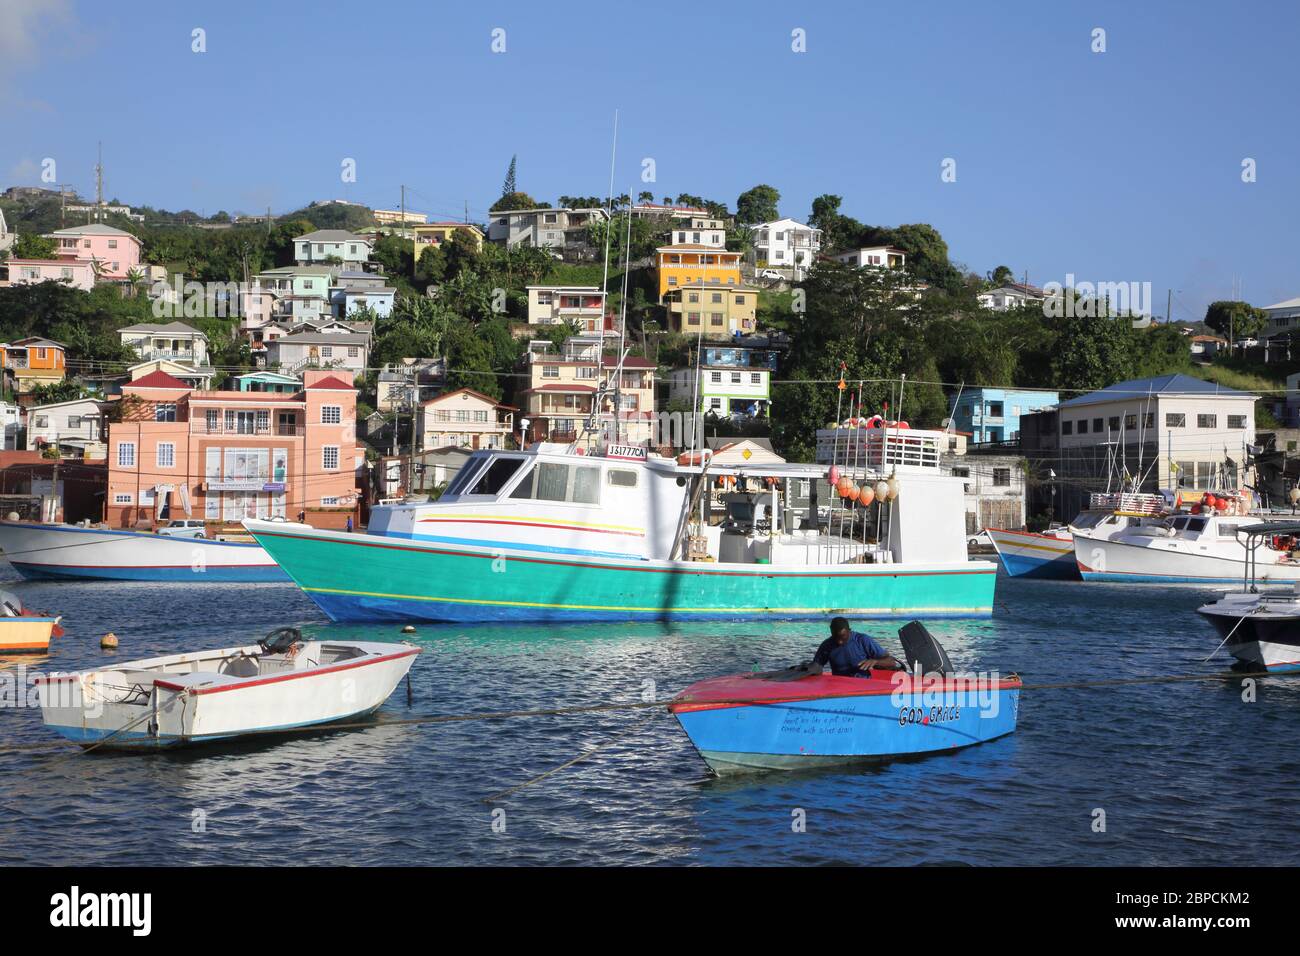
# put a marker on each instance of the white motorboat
(1050, 553)
(1186, 548)
(1261, 629)
(283, 682)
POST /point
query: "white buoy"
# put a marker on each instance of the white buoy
(109, 641)
(409, 629)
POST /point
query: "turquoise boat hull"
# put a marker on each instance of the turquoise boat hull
(369, 578)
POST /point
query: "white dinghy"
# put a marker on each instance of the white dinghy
(282, 682)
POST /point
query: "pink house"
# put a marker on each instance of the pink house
(116, 251)
(80, 275)
(224, 456)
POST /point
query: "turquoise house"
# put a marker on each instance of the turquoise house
(993, 414)
(267, 382)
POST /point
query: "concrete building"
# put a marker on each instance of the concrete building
(880, 257)
(174, 341)
(74, 427)
(223, 456)
(391, 217)
(114, 252)
(786, 244)
(993, 414)
(1171, 431)
(11, 421)
(729, 382)
(552, 228)
(717, 312)
(994, 488)
(679, 266)
(1013, 295)
(32, 361)
(564, 401)
(332, 246)
(78, 273)
(699, 231)
(347, 352)
(583, 305)
(465, 419)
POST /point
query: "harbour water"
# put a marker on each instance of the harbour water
(1185, 773)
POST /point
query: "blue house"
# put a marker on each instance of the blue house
(993, 414)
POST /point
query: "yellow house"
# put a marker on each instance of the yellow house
(717, 311)
(695, 264)
(435, 233)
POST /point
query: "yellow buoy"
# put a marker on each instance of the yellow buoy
(109, 641)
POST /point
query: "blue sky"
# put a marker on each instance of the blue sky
(1115, 166)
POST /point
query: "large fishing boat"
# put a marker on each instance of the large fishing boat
(1050, 553)
(550, 533)
(75, 551)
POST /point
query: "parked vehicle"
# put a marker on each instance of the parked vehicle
(770, 274)
(185, 528)
(980, 539)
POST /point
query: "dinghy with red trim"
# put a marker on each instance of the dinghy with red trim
(801, 718)
(283, 682)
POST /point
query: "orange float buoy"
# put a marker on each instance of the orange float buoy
(866, 494)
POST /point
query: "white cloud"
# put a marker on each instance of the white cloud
(23, 25)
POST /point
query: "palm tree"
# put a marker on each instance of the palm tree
(134, 282)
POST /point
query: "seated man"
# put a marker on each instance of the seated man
(851, 654)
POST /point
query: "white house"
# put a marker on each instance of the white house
(886, 257)
(1013, 295)
(786, 244)
(174, 341)
(1144, 425)
(325, 245)
(551, 228)
(699, 231)
(73, 427)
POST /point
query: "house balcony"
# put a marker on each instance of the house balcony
(188, 356)
(273, 430)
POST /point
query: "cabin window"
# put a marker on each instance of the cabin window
(586, 485)
(1228, 530)
(622, 479)
(463, 478)
(552, 481)
(495, 476)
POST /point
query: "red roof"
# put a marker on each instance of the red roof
(332, 382)
(160, 379)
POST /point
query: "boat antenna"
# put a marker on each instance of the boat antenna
(622, 330)
(609, 228)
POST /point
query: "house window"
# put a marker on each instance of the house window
(164, 412)
(735, 378)
(1175, 420)
(123, 498)
(74, 421)
(327, 351)
(1207, 421)
(330, 502)
(331, 414)
(353, 351)
(1236, 421)
(715, 378)
(330, 457)
(1083, 426)
(550, 371)
(112, 243)
(126, 454)
(1097, 425)
(1113, 421)
(166, 454)
(1067, 428)
(1130, 421)
(1001, 477)
(755, 378)
(715, 404)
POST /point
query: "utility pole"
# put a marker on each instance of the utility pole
(99, 185)
(1169, 306)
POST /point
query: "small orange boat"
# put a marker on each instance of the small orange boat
(24, 631)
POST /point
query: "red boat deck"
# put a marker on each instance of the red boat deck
(741, 690)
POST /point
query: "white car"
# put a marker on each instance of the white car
(979, 539)
(770, 274)
(185, 528)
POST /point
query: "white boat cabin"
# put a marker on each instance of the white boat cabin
(551, 499)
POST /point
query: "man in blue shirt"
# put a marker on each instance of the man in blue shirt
(851, 654)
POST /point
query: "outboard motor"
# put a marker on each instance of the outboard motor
(922, 650)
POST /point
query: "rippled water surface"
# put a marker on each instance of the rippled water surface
(1186, 773)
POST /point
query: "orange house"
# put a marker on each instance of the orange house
(33, 361)
(178, 452)
(695, 264)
